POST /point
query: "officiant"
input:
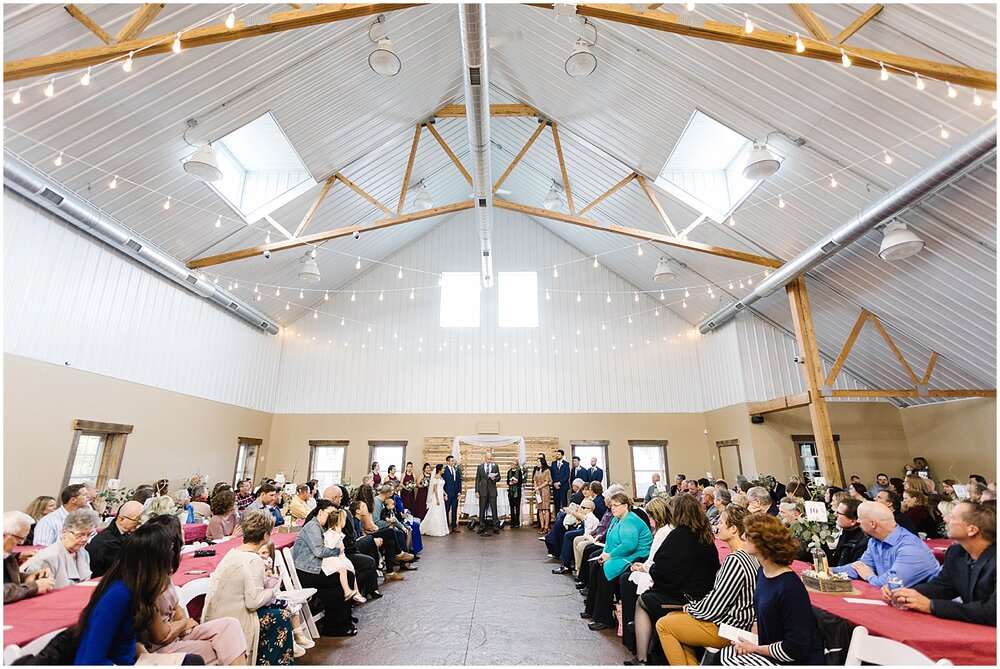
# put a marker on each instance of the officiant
(515, 481)
(487, 475)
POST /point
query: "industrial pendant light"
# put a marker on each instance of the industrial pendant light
(581, 62)
(761, 163)
(552, 200)
(383, 60)
(898, 242)
(423, 200)
(203, 165)
(309, 272)
(663, 273)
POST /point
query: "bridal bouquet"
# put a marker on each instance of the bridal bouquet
(410, 486)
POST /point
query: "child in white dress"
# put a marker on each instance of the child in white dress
(339, 564)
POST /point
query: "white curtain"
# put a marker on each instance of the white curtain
(488, 440)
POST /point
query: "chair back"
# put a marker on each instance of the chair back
(192, 596)
(11, 653)
(883, 652)
(39, 644)
(310, 618)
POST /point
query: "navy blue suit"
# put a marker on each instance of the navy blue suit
(596, 475)
(452, 487)
(579, 473)
(560, 474)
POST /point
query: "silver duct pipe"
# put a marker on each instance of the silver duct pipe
(955, 164)
(472, 19)
(55, 198)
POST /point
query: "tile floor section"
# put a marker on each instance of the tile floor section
(475, 601)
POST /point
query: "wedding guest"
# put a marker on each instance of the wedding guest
(560, 479)
(515, 485)
(637, 580)
(918, 483)
(182, 501)
(104, 548)
(39, 507)
(243, 496)
(966, 588)
(830, 494)
(881, 483)
(723, 498)
(798, 490)
(376, 475)
(66, 560)
(921, 468)
(365, 492)
(308, 552)
(236, 589)
(362, 551)
(628, 539)
(161, 487)
(265, 498)
(542, 482)
(408, 493)
(423, 482)
(730, 601)
(389, 549)
(890, 500)
(678, 483)
(224, 522)
(600, 505)
(557, 541)
(578, 472)
(655, 488)
(299, 507)
(391, 476)
(858, 492)
(587, 547)
(683, 569)
(976, 491)
(786, 628)
(595, 474)
(708, 501)
(890, 548)
(915, 507)
(410, 523)
(760, 501)
(48, 528)
(852, 543)
(896, 484)
(384, 515)
(17, 586)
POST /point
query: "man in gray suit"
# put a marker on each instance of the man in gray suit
(487, 475)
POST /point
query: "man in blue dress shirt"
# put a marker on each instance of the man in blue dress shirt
(890, 548)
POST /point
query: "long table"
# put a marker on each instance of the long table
(29, 619)
(938, 638)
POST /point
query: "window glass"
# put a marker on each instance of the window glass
(518, 298)
(646, 461)
(328, 465)
(87, 464)
(459, 300)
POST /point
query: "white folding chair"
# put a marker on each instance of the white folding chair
(306, 613)
(11, 653)
(883, 652)
(40, 643)
(286, 583)
(187, 592)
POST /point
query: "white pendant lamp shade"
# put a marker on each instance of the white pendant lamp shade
(899, 242)
(309, 271)
(761, 164)
(423, 200)
(663, 273)
(384, 60)
(203, 165)
(581, 62)
(552, 200)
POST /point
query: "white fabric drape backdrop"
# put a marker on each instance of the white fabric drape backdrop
(471, 506)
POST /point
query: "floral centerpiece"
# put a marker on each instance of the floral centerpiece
(815, 534)
(194, 481)
(350, 488)
(765, 481)
(109, 499)
(159, 506)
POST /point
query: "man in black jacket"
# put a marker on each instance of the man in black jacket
(104, 548)
(970, 571)
(853, 541)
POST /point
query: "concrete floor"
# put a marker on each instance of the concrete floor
(475, 601)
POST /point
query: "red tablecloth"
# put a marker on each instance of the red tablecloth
(939, 547)
(195, 532)
(29, 619)
(962, 643)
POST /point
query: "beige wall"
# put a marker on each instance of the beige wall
(174, 435)
(957, 438)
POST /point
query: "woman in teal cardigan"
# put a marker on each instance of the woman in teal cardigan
(628, 540)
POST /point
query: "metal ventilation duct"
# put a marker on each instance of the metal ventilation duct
(46, 193)
(472, 19)
(954, 165)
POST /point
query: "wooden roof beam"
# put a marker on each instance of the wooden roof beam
(778, 404)
(314, 206)
(451, 154)
(458, 111)
(562, 168)
(139, 21)
(517, 158)
(194, 38)
(811, 22)
(858, 23)
(728, 33)
(89, 24)
(608, 193)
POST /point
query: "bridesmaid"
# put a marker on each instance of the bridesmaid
(376, 476)
(423, 486)
(408, 494)
(390, 475)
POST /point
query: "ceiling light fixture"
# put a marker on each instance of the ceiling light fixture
(663, 273)
(799, 45)
(899, 242)
(231, 19)
(383, 60)
(582, 62)
(423, 200)
(203, 164)
(309, 272)
(761, 163)
(552, 200)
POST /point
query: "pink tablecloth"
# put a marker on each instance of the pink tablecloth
(31, 618)
(939, 547)
(962, 643)
(195, 532)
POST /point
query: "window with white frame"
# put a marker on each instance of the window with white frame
(87, 461)
(518, 299)
(460, 300)
(587, 450)
(246, 460)
(326, 462)
(648, 458)
(387, 453)
(96, 454)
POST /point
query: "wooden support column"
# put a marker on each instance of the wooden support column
(818, 413)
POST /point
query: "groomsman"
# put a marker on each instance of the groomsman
(515, 481)
(452, 488)
(578, 472)
(560, 479)
(595, 473)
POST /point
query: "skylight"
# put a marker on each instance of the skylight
(261, 170)
(518, 297)
(705, 168)
(460, 300)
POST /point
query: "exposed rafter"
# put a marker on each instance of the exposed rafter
(858, 23)
(458, 111)
(139, 22)
(364, 194)
(517, 158)
(451, 154)
(409, 168)
(314, 206)
(811, 22)
(562, 167)
(656, 205)
(608, 193)
(782, 43)
(194, 38)
(89, 24)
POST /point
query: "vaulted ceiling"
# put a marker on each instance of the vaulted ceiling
(625, 117)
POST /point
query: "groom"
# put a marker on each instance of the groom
(487, 475)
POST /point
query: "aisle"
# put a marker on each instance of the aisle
(475, 601)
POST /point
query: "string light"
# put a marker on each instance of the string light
(218, 222)
(887, 158)
(636, 296)
(952, 93)
(166, 203)
(920, 82)
(326, 296)
(236, 284)
(313, 252)
(256, 288)
(630, 320)
(114, 183)
(689, 6)
(844, 59)
(656, 312)
(976, 100)
(741, 284)
(381, 296)
(579, 299)
(259, 297)
(58, 161)
(638, 249)
(302, 295)
(799, 45)
(748, 24)
(50, 90)
(555, 272)
(883, 73)
(85, 79)
(603, 326)
(608, 300)
(732, 222)
(370, 329)
(662, 296)
(749, 280)
(287, 306)
(833, 182)
(412, 294)
(781, 202)
(127, 65)
(547, 296)
(686, 293)
(176, 47)
(730, 285)
(231, 19)
(16, 98)
(267, 237)
(357, 265)
(315, 314)
(277, 292)
(399, 274)
(684, 304)
(944, 132)
(343, 322)
(596, 264)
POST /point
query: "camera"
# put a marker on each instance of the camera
(357, 234)
(799, 359)
(267, 254)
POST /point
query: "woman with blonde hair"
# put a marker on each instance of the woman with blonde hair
(333, 537)
(42, 505)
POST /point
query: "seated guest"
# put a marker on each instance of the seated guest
(729, 603)
(890, 548)
(915, 507)
(919, 483)
(966, 588)
(411, 523)
(363, 552)
(586, 547)
(679, 485)
(378, 544)
(881, 483)
(15, 585)
(199, 493)
(723, 498)
(300, 502)
(66, 560)
(366, 491)
(562, 546)
(830, 493)
(39, 507)
(628, 540)
(556, 535)
(852, 543)
(223, 523)
(244, 498)
(786, 628)
(265, 497)
(104, 548)
(637, 580)
(708, 501)
(759, 501)
(308, 553)
(47, 529)
(655, 489)
(890, 500)
(858, 492)
(236, 589)
(161, 487)
(683, 570)
(384, 515)
(143, 494)
(797, 490)
(976, 490)
(390, 539)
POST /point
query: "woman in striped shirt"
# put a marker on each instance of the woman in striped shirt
(730, 602)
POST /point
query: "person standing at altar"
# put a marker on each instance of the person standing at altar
(560, 479)
(515, 481)
(487, 475)
(452, 489)
(423, 488)
(409, 492)
(578, 472)
(595, 474)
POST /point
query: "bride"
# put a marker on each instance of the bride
(435, 523)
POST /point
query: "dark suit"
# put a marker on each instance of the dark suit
(452, 487)
(514, 494)
(852, 545)
(104, 548)
(974, 582)
(579, 473)
(560, 475)
(487, 475)
(596, 474)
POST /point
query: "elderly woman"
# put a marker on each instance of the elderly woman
(66, 560)
(16, 586)
(39, 507)
(308, 553)
(636, 580)
(182, 500)
(223, 523)
(628, 540)
(238, 589)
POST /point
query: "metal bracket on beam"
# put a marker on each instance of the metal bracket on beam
(826, 391)
(923, 390)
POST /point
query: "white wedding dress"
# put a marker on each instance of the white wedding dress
(435, 523)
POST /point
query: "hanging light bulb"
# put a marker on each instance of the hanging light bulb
(357, 265)
(343, 322)
(833, 182)
(730, 285)
(994, 103)
(662, 296)
(886, 158)
(944, 132)
(315, 314)
(50, 90)
(579, 298)
(799, 45)
(684, 305)
(381, 296)
(218, 222)
(176, 47)
(256, 288)
(689, 6)
(231, 19)
(302, 295)
(555, 272)
(166, 204)
(952, 93)
(747, 24)
(259, 297)
(844, 59)
(547, 296)
(603, 326)
(399, 274)
(236, 284)
(370, 329)
(750, 281)
(686, 293)
(287, 306)
(58, 161)
(741, 283)
(412, 294)
(578, 332)
(976, 100)
(638, 249)
(267, 237)
(920, 82)
(732, 222)
(16, 98)
(608, 299)
(277, 292)
(114, 183)
(326, 296)
(85, 79)
(312, 253)
(596, 264)
(656, 312)
(781, 202)
(127, 65)
(630, 320)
